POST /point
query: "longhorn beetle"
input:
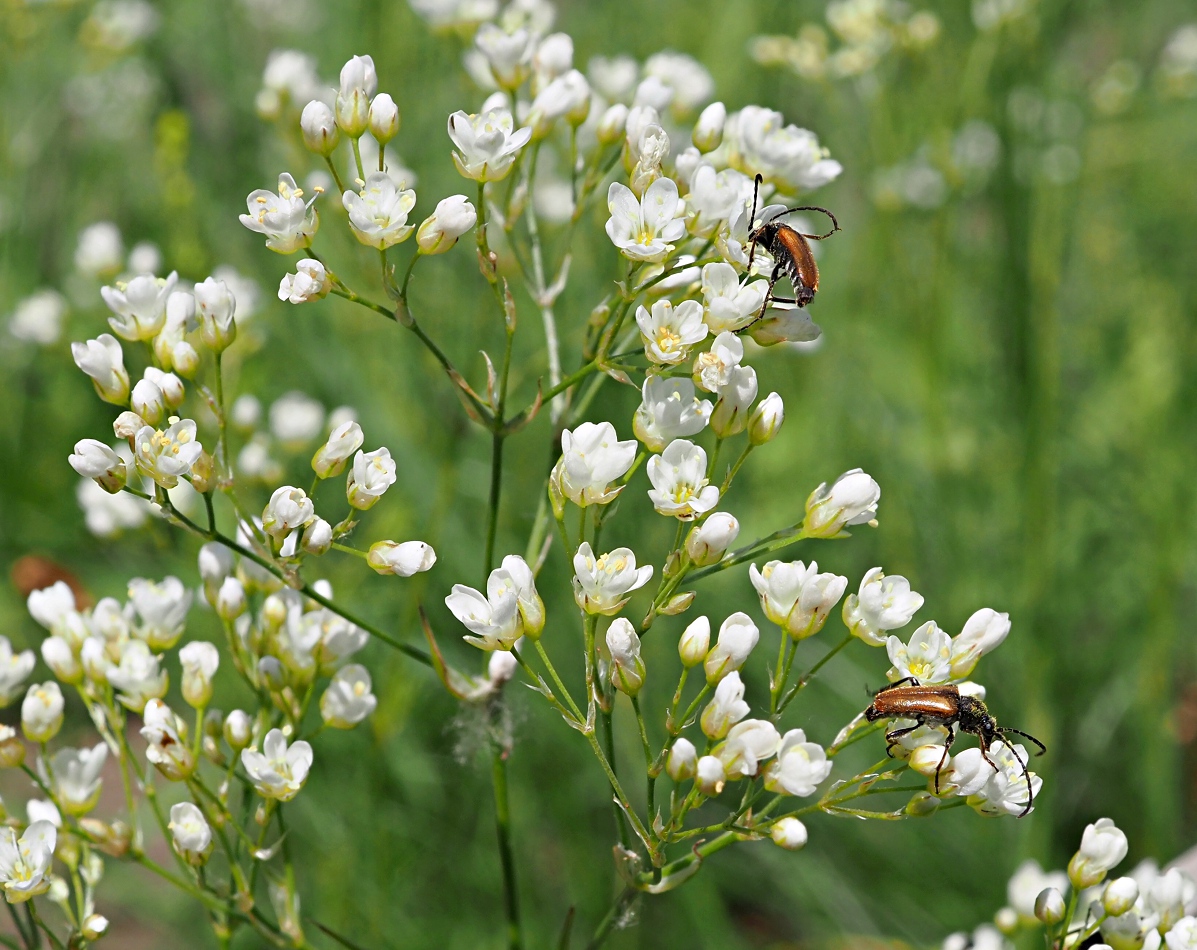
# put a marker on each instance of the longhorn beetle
(791, 251)
(945, 706)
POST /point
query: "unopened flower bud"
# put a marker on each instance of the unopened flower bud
(695, 641)
(41, 712)
(921, 804)
(683, 760)
(147, 401)
(271, 673)
(358, 83)
(925, 759)
(677, 604)
(384, 118)
(203, 472)
(113, 839)
(1049, 906)
(170, 385)
(406, 559)
(200, 661)
(1103, 845)
(216, 306)
(709, 776)
(1006, 919)
(708, 541)
(708, 130)
(274, 612)
(93, 459)
(185, 359)
(852, 500)
(453, 217)
(319, 127)
(309, 282)
(61, 659)
(501, 667)
(238, 729)
(1120, 896)
(12, 749)
(611, 125)
(190, 834)
(127, 425)
(627, 668)
(789, 833)
(94, 926)
(766, 420)
(317, 537)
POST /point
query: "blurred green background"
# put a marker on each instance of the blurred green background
(1008, 348)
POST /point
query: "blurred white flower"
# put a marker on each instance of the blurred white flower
(602, 585)
(1028, 882)
(38, 318)
(189, 832)
(296, 418)
(137, 676)
(679, 479)
(105, 514)
(161, 610)
(74, 775)
(882, 603)
(99, 251)
(614, 77)
(25, 862)
(686, 77)
(347, 700)
(509, 54)
(278, 771)
(200, 660)
(14, 670)
(216, 306)
(288, 223)
(41, 712)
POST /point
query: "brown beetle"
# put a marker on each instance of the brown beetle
(790, 249)
(945, 706)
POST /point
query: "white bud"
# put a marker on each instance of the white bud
(94, 926)
(789, 833)
(319, 127)
(695, 641)
(61, 659)
(453, 217)
(850, 501)
(708, 541)
(683, 760)
(384, 118)
(185, 359)
(708, 130)
(238, 729)
(147, 402)
(611, 125)
(230, 599)
(309, 282)
(627, 668)
(200, 661)
(501, 667)
(216, 306)
(708, 775)
(1049, 906)
(1103, 845)
(766, 420)
(41, 712)
(406, 559)
(331, 457)
(317, 537)
(127, 425)
(358, 83)
(94, 459)
(1120, 896)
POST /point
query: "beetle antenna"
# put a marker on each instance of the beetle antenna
(813, 237)
(1026, 735)
(756, 189)
(1026, 774)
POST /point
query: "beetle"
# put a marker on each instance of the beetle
(790, 249)
(945, 706)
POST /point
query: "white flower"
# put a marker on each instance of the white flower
(378, 213)
(736, 396)
(289, 508)
(1103, 845)
(715, 198)
(509, 54)
(738, 635)
(103, 361)
(730, 305)
(1168, 896)
(139, 306)
(331, 457)
(926, 658)
(359, 82)
(614, 77)
(58, 655)
(627, 668)
(567, 95)
(99, 250)
(592, 457)
(74, 774)
(1028, 882)
(189, 833)
(644, 230)
(166, 455)
(790, 157)
(1006, 792)
(169, 385)
(800, 768)
(453, 217)
(669, 409)
(683, 759)
(166, 735)
(983, 632)
(1131, 931)
(38, 318)
(309, 282)
(708, 130)
(679, 479)
(278, 771)
(882, 603)
(796, 596)
(501, 667)
(372, 474)
(52, 606)
(403, 559)
(530, 605)
(850, 501)
(296, 418)
(612, 124)
(347, 700)
(766, 420)
(105, 514)
(216, 305)
(14, 669)
(713, 368)
(486, 144)
(137, 676)
(789, 833)
(493, 619)
(785, 325)
(748, 745)
(162, 609)
(668, 332)
(707, 542)
(692, 85)
(1183, 935)
(25, 862)
(287, 222)
(602, 585)
(42, 809)
(200, 661)
(41, 712)
(726, 709)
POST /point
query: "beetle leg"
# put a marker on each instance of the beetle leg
(944, 758)
(891, 738)
(902, 682)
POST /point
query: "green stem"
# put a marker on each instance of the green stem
(506, 857)
(341, 189)
(774, 542)
(612, 917)
(648, 759)
(357, 157)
